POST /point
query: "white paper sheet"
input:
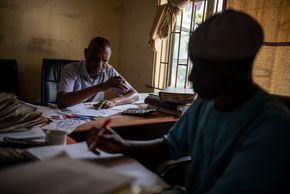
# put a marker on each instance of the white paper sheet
(75, 151)
(34, 133)
(67, 125)
(89, 110)
(47, 111)
(84, 109)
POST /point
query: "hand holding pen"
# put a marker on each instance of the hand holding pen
(95, 134)
(106, 139)
(104, 104)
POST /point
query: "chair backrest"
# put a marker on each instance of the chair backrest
(9, 81)
(51, 69)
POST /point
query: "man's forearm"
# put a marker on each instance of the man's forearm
(72, 98)
(128, 98)
(150, 153)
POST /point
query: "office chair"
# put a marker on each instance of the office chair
(176, 172)
(51, 69)
(9, 81)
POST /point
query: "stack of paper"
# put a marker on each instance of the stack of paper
(178, 95)
(17, 115)
(168, 107)
(60, 176)
(33, 133)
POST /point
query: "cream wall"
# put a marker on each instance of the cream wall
(135, 54)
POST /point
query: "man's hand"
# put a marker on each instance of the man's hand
(115, 82)
(109, 141)
(104, 104)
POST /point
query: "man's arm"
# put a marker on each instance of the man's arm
(150, 153)
(128, 98)
(71, 98)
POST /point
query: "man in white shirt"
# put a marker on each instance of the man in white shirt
(87, 81)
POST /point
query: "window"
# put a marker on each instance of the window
(171, 63)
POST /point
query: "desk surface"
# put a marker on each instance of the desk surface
(122, 165)
(129, 166)
(121, 120)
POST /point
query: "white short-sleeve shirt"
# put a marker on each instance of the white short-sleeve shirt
(74, 77)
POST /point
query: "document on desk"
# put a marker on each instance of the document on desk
(33, 133)
(87, 109)
(74, 151)
(60, 176)
(67, 125)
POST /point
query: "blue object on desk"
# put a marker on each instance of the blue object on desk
(82, 117)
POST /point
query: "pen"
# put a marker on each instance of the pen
(104, 127)
(101, 105)
(101, 132)
(83, 117)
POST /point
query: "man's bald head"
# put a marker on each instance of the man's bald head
(98, 43)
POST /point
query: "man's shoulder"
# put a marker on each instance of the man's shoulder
(109, 67)
(270, 113)
(110, 70)
(74, 66)
(199, 106)
(272, 104)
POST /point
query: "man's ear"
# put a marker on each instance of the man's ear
(86, 52)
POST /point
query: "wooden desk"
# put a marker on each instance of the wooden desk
(131, 127)
(121, 120)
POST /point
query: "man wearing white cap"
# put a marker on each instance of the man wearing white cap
(237, 135)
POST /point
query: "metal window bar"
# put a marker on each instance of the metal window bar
(276, 43)
(204, 8)
(217, 5)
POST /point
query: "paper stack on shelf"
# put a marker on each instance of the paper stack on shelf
(174, 101)
(175, 109)
(177, 95)
(16, 115)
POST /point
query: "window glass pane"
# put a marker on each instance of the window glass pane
(183, 50)
(162, 75)
(189, 84)
(186, 24)
(220, 5)
(174, 58)
(187, 17)
(199, 7)
(181, 76)
(164, 51)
